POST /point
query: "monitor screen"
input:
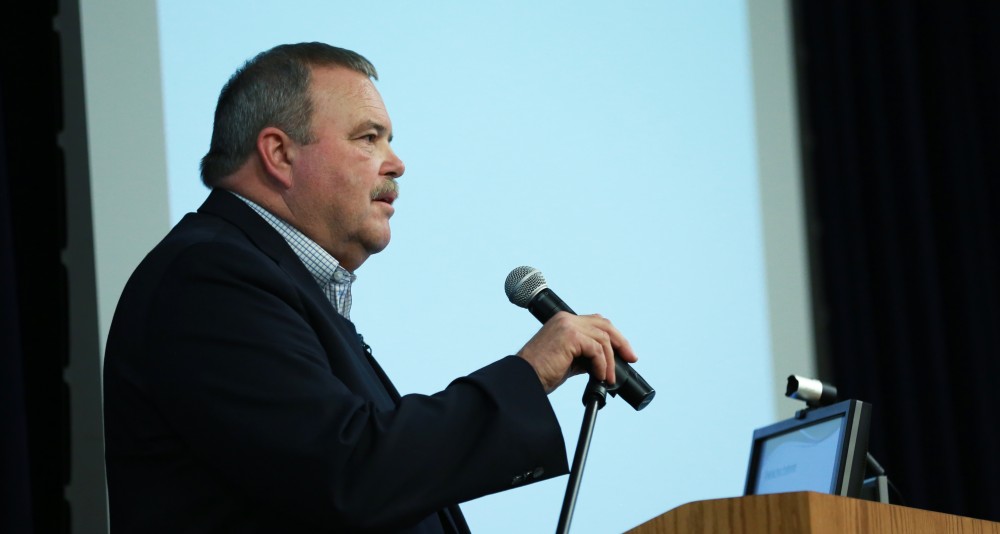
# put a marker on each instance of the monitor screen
(800, 459)
(821, 449)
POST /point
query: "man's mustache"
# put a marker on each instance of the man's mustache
(386, 188)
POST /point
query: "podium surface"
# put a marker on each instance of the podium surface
(807, 513)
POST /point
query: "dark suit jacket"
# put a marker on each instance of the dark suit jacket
(238, 400)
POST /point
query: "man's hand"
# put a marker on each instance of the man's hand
(554, 350)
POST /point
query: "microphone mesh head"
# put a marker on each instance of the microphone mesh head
(522, 284)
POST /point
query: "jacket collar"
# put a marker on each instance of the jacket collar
(228, 206)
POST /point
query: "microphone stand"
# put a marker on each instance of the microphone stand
(594, 398)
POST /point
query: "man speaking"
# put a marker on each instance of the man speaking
(238, 395)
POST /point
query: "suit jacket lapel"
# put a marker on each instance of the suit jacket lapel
(224, 204)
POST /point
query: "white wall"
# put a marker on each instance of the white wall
(779, 172)
(125, 132)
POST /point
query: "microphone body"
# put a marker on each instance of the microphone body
(544, 303)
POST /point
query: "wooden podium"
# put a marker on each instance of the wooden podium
(807, 513)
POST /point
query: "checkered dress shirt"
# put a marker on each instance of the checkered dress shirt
(334, 280)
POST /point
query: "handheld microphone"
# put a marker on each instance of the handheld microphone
(526, 287)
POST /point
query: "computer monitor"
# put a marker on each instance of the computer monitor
(820, 449)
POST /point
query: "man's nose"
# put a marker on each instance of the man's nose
(393, 166)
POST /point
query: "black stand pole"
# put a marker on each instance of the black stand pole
(594, 398)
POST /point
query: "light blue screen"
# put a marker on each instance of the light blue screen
(804, 459)
(609, 145)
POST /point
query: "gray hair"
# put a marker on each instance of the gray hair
(272, 89)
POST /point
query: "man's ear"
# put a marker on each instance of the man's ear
(276, 151)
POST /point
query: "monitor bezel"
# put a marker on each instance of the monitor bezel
(852, 449)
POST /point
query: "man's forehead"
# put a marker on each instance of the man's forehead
(344, 83)
(350, 91)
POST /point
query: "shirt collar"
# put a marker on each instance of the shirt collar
(334, 280)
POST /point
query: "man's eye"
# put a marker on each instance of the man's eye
(370, 138)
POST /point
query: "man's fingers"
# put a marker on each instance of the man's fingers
(598, 361)
(613, 342)
(568, 344)
(605, 354)
(618, 341)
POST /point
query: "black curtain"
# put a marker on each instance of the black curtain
(900, 120)
(34, 415)
(15, 498)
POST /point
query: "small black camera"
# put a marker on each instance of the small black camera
(814, 392)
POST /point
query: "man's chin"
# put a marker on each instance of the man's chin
(378, 244)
